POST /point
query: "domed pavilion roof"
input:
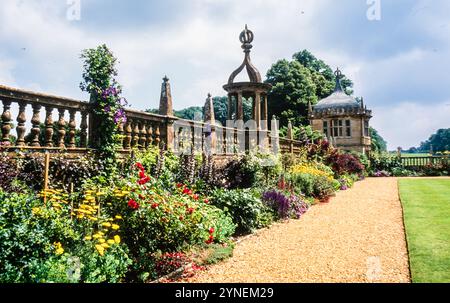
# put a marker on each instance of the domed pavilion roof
(338, 99)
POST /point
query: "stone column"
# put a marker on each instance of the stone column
(165, 102)
(210, 131)
(266, 112)
(258, 109)
(240, 107)
(166, 109)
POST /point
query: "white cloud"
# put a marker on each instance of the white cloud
(407, 124)
(6, 76)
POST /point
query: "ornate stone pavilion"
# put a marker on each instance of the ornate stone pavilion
(255, 89)
(343, 119)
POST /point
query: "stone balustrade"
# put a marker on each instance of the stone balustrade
(45, 122)
(47, 132)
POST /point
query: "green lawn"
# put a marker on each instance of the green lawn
(426, 205)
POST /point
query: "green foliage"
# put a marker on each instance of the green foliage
(317, 186)
(440, 142)
(295, 83)
(323, 75)
(378, 143)
(41, 243)
(164, 221)
(99, 81)
(292, 89)
(190, 113)
(384, 162)
(27, 239)
(304, 134)
(245, 207)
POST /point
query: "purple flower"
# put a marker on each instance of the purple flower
(287, 205)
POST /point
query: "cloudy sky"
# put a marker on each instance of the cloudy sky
(399, 63)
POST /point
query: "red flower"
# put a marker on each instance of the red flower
(212, 230)
(196, 197)
(180, 185)
(155, 205)
(206, 201)
(140, 166)
(142, 174)
(187, 191)
(144, 180)
(190, 210)
(133, 204)
(210, 240)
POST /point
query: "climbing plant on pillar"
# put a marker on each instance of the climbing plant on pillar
(108, 106)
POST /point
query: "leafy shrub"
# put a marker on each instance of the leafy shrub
(39, 243)
(27, 237)
(403, 172)
(8, 173)
(344, 164)
(347, 181)
(156, 220)
(384, 162)
(319, 187)
(246, 209)
(285, 205)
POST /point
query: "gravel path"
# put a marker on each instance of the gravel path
(357, 237)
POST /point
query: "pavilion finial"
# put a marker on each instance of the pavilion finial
(246, 38)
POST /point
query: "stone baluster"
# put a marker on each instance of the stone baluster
(83, 129)
(120, 131)
(6, 122)
(61, 128)
(142, 135)
(135, 140)
(149, 141)
(157, 136)
(21, 120)
(36, 123)
(49, 126)
(128, 137)
(72, 128)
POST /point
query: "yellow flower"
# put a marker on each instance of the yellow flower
(106, 225)
(111, 242)
(100, 249)
(117, 239)
(115, 226)
(88, 238)
(101, 241)
(59, 250)
(119, 218)
(97, 236)
(36, 210)
(105, 245)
